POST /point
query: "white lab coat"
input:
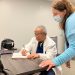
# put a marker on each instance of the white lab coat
(49, 50)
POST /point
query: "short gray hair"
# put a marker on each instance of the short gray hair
(42, 27)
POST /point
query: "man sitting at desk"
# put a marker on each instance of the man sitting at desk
(41, 46)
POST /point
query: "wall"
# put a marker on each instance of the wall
(19, 17)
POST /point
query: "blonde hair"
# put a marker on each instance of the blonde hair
(62, 5)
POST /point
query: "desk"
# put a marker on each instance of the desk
(21, 66)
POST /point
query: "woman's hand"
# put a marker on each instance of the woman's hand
(33, 56)
(46, 63)
(68, 64)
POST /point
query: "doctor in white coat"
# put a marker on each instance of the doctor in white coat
(47, 49)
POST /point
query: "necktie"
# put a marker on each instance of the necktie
(39, 47)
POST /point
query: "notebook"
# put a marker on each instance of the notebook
(18, 55)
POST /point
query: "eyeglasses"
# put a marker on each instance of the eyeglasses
(39, 33)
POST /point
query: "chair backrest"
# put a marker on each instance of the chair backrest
(55, 39)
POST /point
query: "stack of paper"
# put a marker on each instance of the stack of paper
(18, 55)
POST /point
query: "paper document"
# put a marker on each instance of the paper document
(18, 55)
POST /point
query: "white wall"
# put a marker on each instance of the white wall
(19, 17)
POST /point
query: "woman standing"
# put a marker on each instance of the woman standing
(63, 13)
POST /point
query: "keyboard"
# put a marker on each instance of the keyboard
(2, 52)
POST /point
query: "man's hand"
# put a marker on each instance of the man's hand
(33, 56)
(24, 52)
(46, 63)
